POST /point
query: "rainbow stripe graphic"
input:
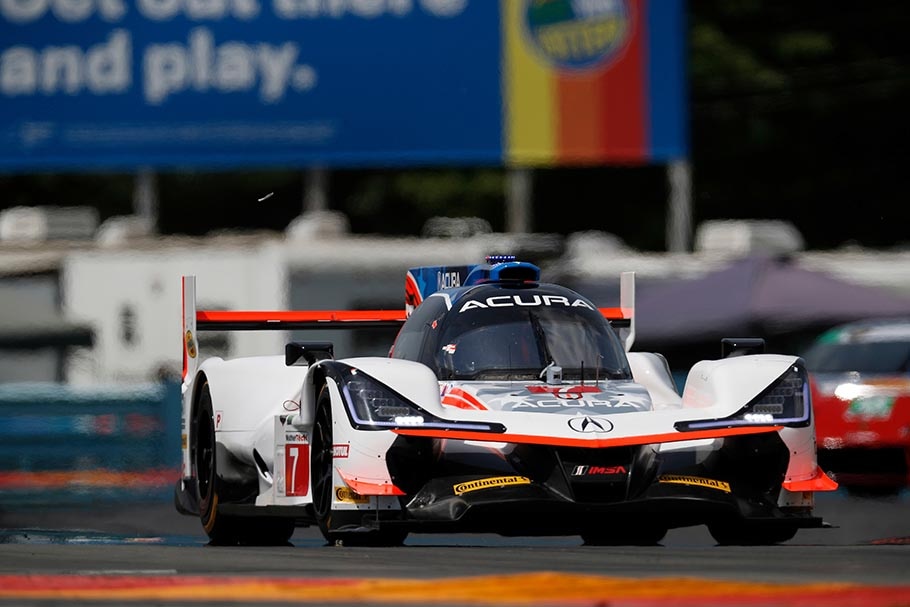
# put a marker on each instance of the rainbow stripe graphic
(593, 81)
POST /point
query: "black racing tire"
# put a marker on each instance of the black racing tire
(224, 530)
(322, 478)
(746, 533)
(637, 535)
(221, 530)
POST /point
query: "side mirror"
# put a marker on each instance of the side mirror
(310, 351)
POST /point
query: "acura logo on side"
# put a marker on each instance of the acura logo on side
(587, 423)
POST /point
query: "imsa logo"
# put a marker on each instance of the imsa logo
(599, 471)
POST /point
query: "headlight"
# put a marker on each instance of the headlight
(372, 405)
(785, 403)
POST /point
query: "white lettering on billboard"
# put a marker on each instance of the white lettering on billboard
(103, 68)
(200, 63)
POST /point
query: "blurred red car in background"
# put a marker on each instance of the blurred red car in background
(860, 382)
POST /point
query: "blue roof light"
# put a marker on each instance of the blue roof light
(491, 259)
(502, 268)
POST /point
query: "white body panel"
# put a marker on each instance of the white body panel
(712, 383)
(650, 370)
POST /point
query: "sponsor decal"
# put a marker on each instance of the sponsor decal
(291, 405)
(297, 469)
(567, 393)
(695, 481)
(349, 496)
(219, 417)
(183, 441)
(587, 424)
(340, 451)
(489, 483)
(190, 345)
(873, 407)
(449, 348)
(599, 471)
(296, 437)
(447, 280)
(569, 404)
(508, 301)
(578, 34)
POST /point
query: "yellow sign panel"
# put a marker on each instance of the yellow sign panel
(488, 483)
(695, 481)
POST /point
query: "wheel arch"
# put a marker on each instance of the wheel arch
(313, 384)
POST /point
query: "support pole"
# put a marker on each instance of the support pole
(145, 196)
(679, 215)
(518, 200)
(315, 190)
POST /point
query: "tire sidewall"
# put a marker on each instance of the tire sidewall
(323, 417)
(206, 483)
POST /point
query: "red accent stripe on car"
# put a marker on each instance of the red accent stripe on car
(456, 397)
(229, 316)
(183, 324)
(592, 443)
(616, 313)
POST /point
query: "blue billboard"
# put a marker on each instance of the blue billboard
(167, 83)
(117, 84)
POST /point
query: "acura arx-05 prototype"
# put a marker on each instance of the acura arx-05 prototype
(505, 405)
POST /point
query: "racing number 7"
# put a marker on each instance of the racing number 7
(297, 470)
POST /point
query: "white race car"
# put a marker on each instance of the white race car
(505, 405)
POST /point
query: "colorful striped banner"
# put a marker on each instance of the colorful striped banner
(593, 81)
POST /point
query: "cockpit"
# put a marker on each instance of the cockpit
(495, 332)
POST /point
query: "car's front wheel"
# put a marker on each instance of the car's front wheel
(323, 483)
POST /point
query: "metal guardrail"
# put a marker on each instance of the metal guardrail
(62, 445)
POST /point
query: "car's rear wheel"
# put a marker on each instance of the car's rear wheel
(745, 533)
(222, 529)
(635, 535)
(322, 475)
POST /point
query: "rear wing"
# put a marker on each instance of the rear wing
(195, 320)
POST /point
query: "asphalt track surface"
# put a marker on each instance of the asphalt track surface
(150, 555)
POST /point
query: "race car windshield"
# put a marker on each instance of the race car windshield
(519, 342)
